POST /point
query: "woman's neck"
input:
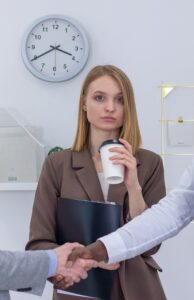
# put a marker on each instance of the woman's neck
(97, 139)
(94, 150)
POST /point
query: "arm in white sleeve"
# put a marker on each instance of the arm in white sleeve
(158, 223)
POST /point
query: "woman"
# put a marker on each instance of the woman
(106, 111)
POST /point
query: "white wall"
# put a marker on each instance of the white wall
(152, 41)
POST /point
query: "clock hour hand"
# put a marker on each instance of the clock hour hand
(57, 48)
(37, 56)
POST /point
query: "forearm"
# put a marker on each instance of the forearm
(137, 205)
(24, 270)
(136, 201)
(155, 225)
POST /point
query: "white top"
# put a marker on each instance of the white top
(156, 224)
(104, 185)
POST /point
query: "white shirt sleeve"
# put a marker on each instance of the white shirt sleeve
(158, 223)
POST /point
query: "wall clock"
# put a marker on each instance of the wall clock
(55, 48)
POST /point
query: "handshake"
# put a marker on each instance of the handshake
(75, 260)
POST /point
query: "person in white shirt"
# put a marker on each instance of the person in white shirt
(160, 222)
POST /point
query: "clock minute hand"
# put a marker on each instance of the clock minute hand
(57, 48)
(53, 48)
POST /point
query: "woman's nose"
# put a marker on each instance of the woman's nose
(110, 105)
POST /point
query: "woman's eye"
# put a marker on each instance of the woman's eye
(99, 97)
(120, 99)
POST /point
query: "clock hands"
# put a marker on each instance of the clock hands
(57, 48)
(48, 51)
(53, 48)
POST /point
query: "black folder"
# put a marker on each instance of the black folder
(85, 221)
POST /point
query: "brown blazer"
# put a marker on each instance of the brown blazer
(70, 174)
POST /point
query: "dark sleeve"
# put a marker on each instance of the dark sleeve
(154, 187)
(153, 190)
(43, 220)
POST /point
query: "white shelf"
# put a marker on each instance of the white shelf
(177, 131)
(21, 153)
(21, 186)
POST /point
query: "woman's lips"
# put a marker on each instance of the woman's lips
(108, 119)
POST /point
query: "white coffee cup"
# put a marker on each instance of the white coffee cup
(113, 173)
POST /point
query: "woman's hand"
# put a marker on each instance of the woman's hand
(125, 157)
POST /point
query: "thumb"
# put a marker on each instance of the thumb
(80, 252)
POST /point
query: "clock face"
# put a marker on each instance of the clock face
(55, 48)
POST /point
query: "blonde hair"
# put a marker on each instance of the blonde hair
(130, 129)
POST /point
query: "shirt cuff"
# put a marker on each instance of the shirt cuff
(115, 247)
(52, 263)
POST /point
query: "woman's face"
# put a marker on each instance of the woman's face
(104, 104)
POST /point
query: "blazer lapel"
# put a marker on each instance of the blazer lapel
(87, 175)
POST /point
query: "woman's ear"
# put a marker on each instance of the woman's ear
(84, 107)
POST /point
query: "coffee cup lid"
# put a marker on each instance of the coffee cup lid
(108, 142)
